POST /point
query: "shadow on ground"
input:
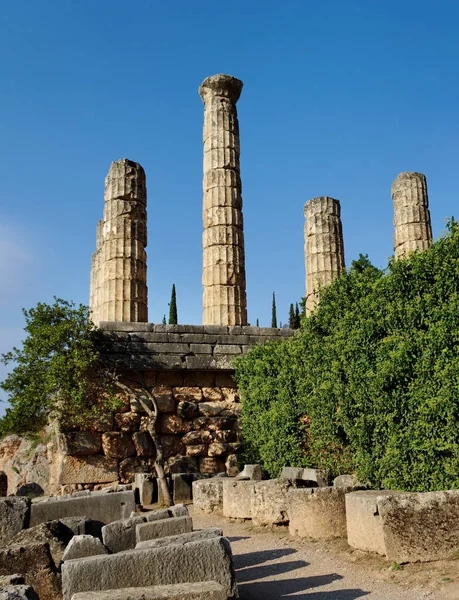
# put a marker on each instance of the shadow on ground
(254, 584)
(255, 558)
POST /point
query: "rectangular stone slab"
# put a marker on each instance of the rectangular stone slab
(204, 590)
(104, 508)
(205, 560)
(363, 521)
(163, 528)
(317, 513)
(183, 538)
(421, 526)
(208, 495)
(237, 498)
(121, 535)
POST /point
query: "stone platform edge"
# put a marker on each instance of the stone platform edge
(194, 347)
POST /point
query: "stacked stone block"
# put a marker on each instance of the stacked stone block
(118, 290)
(412, 227)
(223, 278)
(323, 246)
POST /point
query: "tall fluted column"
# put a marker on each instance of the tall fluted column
(323, 246)
(119, 264)
(223, 276)
(412, 228)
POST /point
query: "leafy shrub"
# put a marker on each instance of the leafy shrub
(371, 382)
(57, 374)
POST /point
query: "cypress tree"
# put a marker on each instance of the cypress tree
(173, 317)
(258, 323)
(274, 313)
(291, 317)
(164, 320)
(297, 317)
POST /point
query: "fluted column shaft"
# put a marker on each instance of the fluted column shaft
(323, 246)
(412, 227)
(223, 276)
(119, 265)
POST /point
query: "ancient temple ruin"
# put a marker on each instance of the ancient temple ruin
(412, 228)
(223, 274)
(118, 288)
(323, 246)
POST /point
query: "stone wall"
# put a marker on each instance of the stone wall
(189, 371)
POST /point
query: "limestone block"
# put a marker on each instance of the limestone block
(54, 533)
(211, 465)
(420, 527)
(347, 481)
(187, 410)
(130, 466)
(182, 538)
(323, 246)
(14, 516)
(121, 535)
(116, 444)
(181, 487)
(17, 592)
(198, 561)
(84, 545)
(268, 502)
(78, 525)
(364, 526)
(197, 437)
(237, 498)
(252, 472)
(163, 528)
(188, 394)
(182, 464)
(34, 562)
(208, 495)
(145, 485)
(197, 450)
(178, 510)
(218, 448)
(220, 409)
(231, 465)
(412, 226)
(98, 507)
(80, 443)
(143, 444)
(129, 421)
(319, 476)
(173, 424)
(317, 513)
(291, 473)
(203, 590)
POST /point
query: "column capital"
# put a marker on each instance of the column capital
(222, 85)
(322, 204)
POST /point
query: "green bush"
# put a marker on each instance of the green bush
(371, 382)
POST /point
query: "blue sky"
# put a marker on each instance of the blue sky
(339, 97)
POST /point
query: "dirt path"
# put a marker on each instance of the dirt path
(270, 565)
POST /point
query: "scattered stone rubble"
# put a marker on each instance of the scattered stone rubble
(151, 554)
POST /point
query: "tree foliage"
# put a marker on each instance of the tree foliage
(173, 315)
(371, 383)
(54, 374)
(59, 374)
(273, 312)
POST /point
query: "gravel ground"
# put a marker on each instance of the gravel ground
(271, 565)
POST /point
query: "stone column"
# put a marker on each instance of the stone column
(412, 228)
(223, 276)
(323, 246)
(119, 264)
